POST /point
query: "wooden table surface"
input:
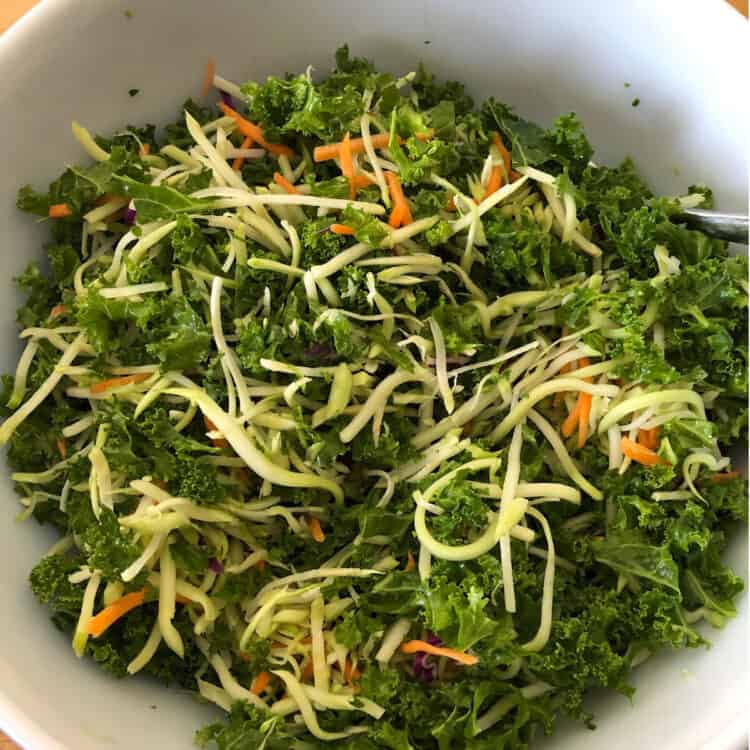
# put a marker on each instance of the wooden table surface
(10, 11)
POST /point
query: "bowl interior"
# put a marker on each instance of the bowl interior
(77, 59)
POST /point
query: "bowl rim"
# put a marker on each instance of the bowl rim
(13, 719)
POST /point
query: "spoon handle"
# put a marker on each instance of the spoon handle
(731, 227)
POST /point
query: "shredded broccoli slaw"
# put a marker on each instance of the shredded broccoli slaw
(375, 419)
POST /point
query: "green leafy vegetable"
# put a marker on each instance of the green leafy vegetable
(344, 446)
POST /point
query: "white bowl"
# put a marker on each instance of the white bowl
(76, 59)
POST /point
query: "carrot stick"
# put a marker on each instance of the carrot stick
(584, 362)
(240, 160)
(725, 476)
(571, 422)
(104, 385)
(208, 78)
(341, 229)
(495, 182)
(584, 412)
(361, 181)
(347, 164)
(62, 446)
(248, 128)
(282, 181)
(57, 310)
(315, 530)
(351, 673)
(357, 146)
(260, 683)
(109, 615)
(512, 174)
(401, 213)
(60, 211)
(504, 155)
(649, 438)
(144, 150)
(308, 670)
(217, 442)
(585, 400)
(379, 140)
(640, 453)
(410, 563)
(424, 135)
(413, 647)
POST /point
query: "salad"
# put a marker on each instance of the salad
(377, 419)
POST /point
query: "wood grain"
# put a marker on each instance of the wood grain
(11, 10)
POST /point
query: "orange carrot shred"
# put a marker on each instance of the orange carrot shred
(351, 673)
(315, 530)
(410, 563)
(248, 128)
(217, 442)
(260, 683)
(57, 310)
(104, 385)
(584, 411)
(145, 149)
(725, 476)
(362, 181)
(413, 647)
(308, 670)
(208, 78)
(240, 160)
(347, 164)
(62, 447)
(357, 145)
(282, 181)
(495, 182)
(640, 453)
(109, 615)
(649, 438)
(401, 213)
(60, 211)
(654, 438)
(425, 135)
(584, 399)
(180, 599)
(341, 229)
(571, 422)
(500, 146)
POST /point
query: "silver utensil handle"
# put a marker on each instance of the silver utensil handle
(731, 227)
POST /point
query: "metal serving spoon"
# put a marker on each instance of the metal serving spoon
(731, 227)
